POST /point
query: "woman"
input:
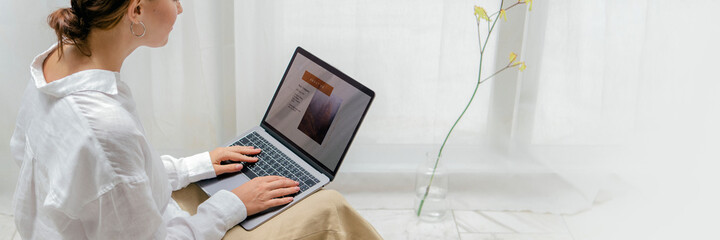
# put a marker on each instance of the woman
(87, 171)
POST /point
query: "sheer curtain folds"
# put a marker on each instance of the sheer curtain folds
(612, 88)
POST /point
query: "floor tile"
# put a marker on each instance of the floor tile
(376, 191)
(7, 227)
(533, 236)
(527, 222)
(403, 224)
(476, 222)
(382, 200)
(476, 236)
(622, 218)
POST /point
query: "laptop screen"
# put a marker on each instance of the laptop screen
(317, 109)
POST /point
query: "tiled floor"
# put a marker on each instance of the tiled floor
(615, 219)
(7, 228)
(390, 209)
(463, 225)
(469, 225)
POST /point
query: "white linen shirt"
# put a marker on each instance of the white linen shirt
(87, 170)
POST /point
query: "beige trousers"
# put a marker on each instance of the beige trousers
(323, 215)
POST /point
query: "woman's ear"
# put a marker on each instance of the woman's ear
(134, 11)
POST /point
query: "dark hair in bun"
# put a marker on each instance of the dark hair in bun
(72, 25)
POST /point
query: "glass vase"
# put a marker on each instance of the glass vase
(433, 199)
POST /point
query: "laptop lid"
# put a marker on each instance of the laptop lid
(316, 111)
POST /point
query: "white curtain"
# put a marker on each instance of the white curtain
(612, 88)
(420, 57)
(615, 91)
(23, 34)
(628, 88)
(185, 90)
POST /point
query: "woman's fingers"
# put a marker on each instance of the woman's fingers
(238, 157)
(240, 154)
(279, 201)
(279, 192)
(236, 154)
(238, 147)
(261, 193)
(228, 168)
(277, 182)
(232, 154)
(250, 150)
(277, 188)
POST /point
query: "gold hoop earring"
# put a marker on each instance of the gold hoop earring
(133, 31)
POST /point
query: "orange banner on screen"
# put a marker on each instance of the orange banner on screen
(317, 83)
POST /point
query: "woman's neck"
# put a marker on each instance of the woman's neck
(108, 49)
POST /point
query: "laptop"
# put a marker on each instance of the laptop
(305, 133)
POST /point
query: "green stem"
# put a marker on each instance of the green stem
(508, 8)
(496, 73)
(437, 160)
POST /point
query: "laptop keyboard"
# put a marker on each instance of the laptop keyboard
(272, 161)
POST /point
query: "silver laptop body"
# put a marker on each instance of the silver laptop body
(312, 119)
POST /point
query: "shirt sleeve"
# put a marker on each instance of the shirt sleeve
(133, 200)
(127, 210)
(183, 171)
(211, 220)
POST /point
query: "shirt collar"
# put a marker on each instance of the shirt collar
(88, 80)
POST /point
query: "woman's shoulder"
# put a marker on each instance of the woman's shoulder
(101, 108)
(113, 123)
(84, 145)
(111, 144)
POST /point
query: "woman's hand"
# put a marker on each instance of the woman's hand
(234, 154)
(262, 193)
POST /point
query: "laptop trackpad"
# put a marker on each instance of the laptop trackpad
(228, 181)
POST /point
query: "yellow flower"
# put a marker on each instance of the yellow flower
(522, 64)
(530, 9)
(503, 15)
(529, 2)
(481, 14)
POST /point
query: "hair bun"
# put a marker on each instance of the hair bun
(68, 25)
(77, 8)
(72, 25)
